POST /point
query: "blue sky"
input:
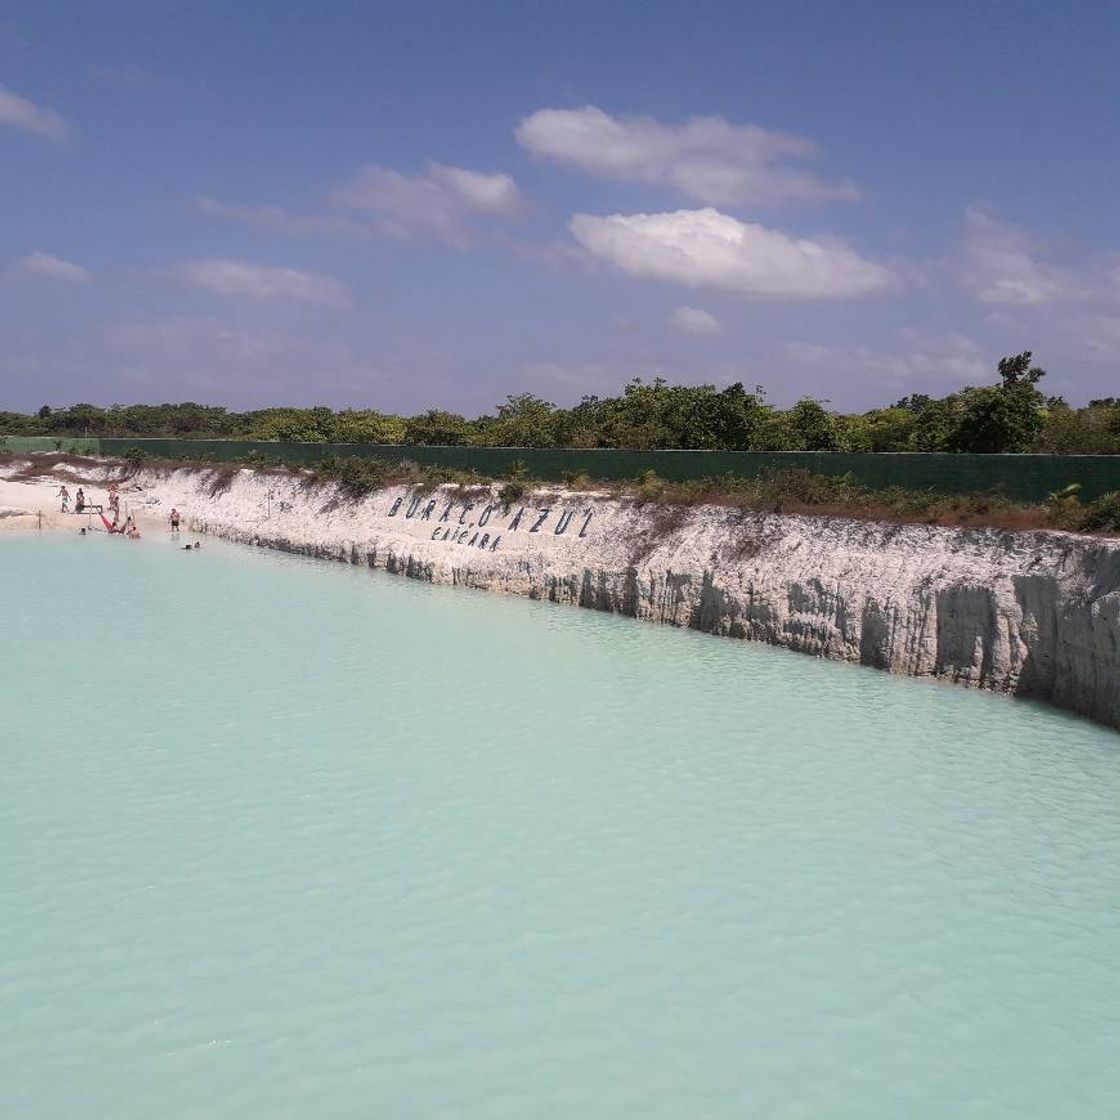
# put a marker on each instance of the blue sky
(407, 205)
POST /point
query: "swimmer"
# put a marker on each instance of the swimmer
(81, 532)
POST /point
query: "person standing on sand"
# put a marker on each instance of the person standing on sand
(174, 520)
(79, 500)
(64, 494)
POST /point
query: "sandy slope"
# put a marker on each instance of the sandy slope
(31, 506)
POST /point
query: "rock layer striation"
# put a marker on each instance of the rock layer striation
(1025, 613)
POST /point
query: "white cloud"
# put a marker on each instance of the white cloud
(20, 113)
(436, 203)
(277, 218)
(263, 282)
(1002, 270)
(705, 158)
(218, 361)
(954, 358)
(55, 268)
(495, 193)
(695, 321)
(707, 249)
(187, 339)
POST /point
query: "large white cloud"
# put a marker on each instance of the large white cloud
(435, 203)
(26, 115)
(705, 158)
(707, 249)
(262, 282)
(54, 268)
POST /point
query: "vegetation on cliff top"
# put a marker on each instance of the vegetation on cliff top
(1011, 416)
(781, 491)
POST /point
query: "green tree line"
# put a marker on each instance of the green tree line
(1013, 415)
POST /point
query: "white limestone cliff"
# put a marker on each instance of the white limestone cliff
(1027, 613)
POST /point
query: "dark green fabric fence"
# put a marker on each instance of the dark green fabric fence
(1022, 477)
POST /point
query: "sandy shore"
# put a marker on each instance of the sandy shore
(35, 506)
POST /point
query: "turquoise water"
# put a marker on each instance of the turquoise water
(284, 838)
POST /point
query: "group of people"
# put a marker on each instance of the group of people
(128, 529)
(79, 501)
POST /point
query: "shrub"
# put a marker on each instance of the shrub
(648, 486)
(512, 491)
(134, 457)
(440, 474)
(356, 477)
(577, 480)
(1063, 507)
(1103, 515)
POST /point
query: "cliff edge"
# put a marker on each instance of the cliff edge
(1026, 613)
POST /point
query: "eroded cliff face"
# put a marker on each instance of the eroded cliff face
(1033, 614)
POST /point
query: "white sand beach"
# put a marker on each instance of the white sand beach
(35, 505)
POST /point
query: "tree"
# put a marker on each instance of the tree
(1017, 372)
(438, 428)
(525, 420)
(892, 429)
(995, 420)
(814, 426)
(368, 426)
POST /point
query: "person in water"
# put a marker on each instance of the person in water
(174, 520)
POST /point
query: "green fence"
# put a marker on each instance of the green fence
(1022, 477)
(50, 443)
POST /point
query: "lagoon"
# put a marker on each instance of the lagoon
(287, 838)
